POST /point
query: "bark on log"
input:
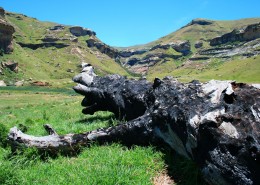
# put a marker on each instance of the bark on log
(215, 124)
(70, 144)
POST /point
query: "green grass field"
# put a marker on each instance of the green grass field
(241, 70)
(31, 107)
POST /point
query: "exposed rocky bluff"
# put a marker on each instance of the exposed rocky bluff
(239, 42)
(216, 124)
(248, 33)
(6, 33)
(79, 31)
(139, 60)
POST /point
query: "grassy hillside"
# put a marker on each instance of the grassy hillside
(57, 65)
(52, 64)
(238, 67)
(195, 32)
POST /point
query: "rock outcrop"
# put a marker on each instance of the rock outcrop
(179, 46)
(247, 49)
(19, 83)
(249, 33)
(140, 60)
(102, 47)
(57, 27)
(2, 13)
(2, 83)
(141, 65)
(79, 31)
(131, 52)
(13, 66)
(198, 44)
(149, 57)
(50, 38)
(114, 53)
(44, 44)
(200, 22)
(6, 33)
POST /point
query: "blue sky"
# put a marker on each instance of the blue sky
(132, 22)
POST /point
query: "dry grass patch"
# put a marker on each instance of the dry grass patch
(163, 179)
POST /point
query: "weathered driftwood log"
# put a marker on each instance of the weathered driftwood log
(215, 124)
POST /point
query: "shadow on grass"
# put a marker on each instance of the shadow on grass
(97, 117)
(182, 170)
(37, 89)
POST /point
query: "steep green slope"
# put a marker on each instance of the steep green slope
(46, 54)
(187, 53)
(202, 29)
(51, 52)
(238, 69)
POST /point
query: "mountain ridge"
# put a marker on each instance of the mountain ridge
(46, 52)
(53, 52)
(199, 37)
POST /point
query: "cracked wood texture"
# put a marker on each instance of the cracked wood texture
(216, 124)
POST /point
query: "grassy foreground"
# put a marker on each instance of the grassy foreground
(31, 107)
(111, 164)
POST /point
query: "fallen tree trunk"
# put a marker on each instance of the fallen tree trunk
(216, 124)
(69, 144)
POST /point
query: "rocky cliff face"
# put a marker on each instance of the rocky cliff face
(58, 36)
(102, 47)
(2, 12)
(139, 60)
(179, 46)
(239, 42)
(79, 31)
(200, 22)
(201, 45)
(249, 33)
(53, 38)
(6, 33)
(243, 42)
